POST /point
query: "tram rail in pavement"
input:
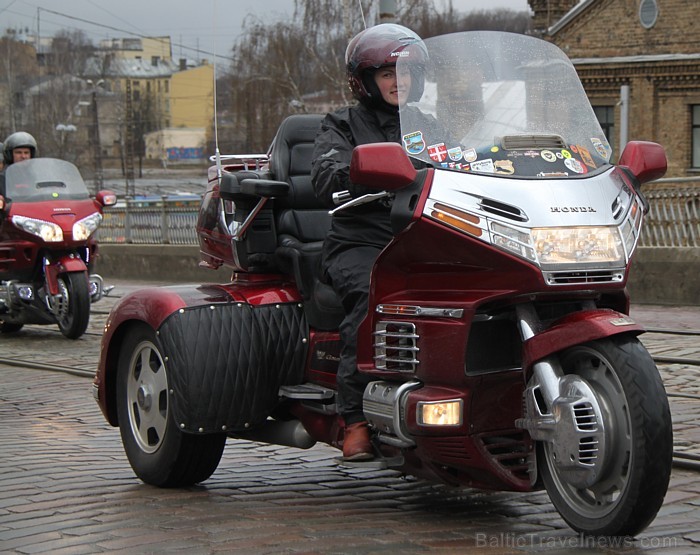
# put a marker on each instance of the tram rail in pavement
(66, 486)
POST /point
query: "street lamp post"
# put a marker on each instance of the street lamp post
(97, 147)
(65, 129)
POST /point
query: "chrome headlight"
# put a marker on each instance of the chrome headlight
(47, 231)
(560, 247)
(87, 226)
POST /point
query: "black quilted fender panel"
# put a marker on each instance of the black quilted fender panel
(226, 362)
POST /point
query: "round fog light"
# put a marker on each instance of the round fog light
(25, 292)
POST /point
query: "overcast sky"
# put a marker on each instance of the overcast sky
(191, 25)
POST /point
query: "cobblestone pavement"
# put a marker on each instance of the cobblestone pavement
(66, 485)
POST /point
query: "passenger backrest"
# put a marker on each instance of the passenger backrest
(302, 221)
(300, 215)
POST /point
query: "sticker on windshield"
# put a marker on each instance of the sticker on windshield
(455, 153)
(414, 142)
(575, 166)
(548, 156)
(483, 166)
(586, 157)
(438, 152)
(600, 147)
(470, 155)
(504, 166)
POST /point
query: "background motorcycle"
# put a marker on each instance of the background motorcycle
(498, 345)
(47, 226)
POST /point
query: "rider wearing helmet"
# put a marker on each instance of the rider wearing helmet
(19, 146)
(358, 234)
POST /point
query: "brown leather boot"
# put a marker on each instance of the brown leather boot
(356, 445)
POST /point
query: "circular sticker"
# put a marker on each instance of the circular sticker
(574, 165)
(548, 156)
(566, 154)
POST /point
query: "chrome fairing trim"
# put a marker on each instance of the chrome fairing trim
(412, 310)
(585, 201)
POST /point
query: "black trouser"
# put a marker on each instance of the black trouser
(349, 273)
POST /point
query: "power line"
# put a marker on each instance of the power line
(8, 6)
(126, 32)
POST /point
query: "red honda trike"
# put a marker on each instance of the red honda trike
(498, 340)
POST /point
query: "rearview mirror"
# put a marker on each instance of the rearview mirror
(106, 198)
(644, 160)
(381, 166)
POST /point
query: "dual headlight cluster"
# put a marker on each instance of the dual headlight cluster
(552, 248)
(52, 233)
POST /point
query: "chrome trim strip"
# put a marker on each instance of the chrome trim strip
(412, 310)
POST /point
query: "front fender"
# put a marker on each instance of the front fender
(150, 305)
(65, 264)
(577, 328)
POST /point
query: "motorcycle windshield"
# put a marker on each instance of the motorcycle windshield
(44, 179)
(497, 103)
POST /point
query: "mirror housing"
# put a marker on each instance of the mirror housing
(106, 198)
(644, 160)
(381, 166)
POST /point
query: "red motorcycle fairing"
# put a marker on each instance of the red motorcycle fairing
(154, 305)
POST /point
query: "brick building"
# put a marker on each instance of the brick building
(635, 57)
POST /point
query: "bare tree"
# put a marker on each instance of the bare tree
(70, 52)
(282, 68)
(18, 68)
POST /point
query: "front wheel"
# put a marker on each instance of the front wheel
(72, 304)
(628, 487)
(159, 452)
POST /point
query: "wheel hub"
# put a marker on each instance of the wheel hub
(144, 399)
(573, 429)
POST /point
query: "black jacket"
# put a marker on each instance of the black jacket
(340, 133)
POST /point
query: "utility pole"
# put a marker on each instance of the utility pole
(129, 154)
(387, 11)
(95, 127)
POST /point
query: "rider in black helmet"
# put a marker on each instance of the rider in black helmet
(19, 146)
(358, 234)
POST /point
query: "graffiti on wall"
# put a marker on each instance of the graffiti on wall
(185, 153)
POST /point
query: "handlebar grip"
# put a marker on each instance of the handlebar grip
(340, 197)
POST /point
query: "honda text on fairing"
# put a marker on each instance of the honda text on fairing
(47, 246)
(498, 342)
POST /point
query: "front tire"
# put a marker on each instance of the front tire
(73, 308)
(634, 477)
(159, 453)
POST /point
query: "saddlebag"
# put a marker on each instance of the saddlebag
(226, 362)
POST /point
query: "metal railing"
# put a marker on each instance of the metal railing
(152, 221)
(673, 219)
(674, 214)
